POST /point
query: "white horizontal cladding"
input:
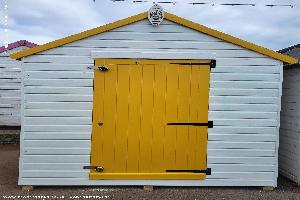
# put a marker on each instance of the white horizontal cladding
(153, 55)
(132, 44)
(58, 59)
(84, 135)
(59, 105)
(242, 98)
(83, 174)
(48, 67)
(57, 143)
(240, 114)
(14, 50)
(79, 167)
(10, 89)
(244, 77)
(59, 82)
(245, 90)
(153, 36)
(86, 143)
(145, 27)
(244, 107)
(246, 122)
(231, 61)
(39, 90)
(86, 151)
(244, 84)
(58, 98)
(57, 113)
(58, 121)
(58, 135)
(55, 128)
(222, 160)
(57, 75)
(84, 51)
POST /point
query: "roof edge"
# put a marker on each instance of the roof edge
(168, 16)
(17, 44)
(285, 50)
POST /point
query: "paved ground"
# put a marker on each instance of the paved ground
(9, 174)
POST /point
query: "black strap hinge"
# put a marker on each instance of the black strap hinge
(206, 171)
(212, 63)
(209, 124)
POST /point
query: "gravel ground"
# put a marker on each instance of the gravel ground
(9, 175)
(9, 135)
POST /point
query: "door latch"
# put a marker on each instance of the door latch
(97, 168)
(103, 68)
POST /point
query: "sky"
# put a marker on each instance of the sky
(41, 21)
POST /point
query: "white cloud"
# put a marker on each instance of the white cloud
(44, 20)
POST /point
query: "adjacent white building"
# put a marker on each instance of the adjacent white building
(10, 84)
(289, 151)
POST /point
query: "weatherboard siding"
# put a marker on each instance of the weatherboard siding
(10, 89)
(57, 108)
(289, 151)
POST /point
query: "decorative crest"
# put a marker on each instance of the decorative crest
(156, 15)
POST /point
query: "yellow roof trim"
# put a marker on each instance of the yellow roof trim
(168, 16)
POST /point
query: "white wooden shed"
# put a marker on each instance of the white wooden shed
(65, 109)
(10, 84)
(289, 151)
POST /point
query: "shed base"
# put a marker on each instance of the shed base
(148, 188)
(268, 188)
(86, 182)
(27, 188)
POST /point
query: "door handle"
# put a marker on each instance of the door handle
(209, 124)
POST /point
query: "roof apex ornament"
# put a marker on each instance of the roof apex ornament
(156, 15)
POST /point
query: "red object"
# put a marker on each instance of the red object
(17, 44)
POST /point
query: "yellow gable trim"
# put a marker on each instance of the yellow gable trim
(168, 16)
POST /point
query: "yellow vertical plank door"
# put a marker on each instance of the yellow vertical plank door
(144, 113)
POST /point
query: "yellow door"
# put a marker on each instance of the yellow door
(150, 119)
